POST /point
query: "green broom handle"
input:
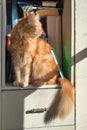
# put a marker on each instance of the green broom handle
(57, 63)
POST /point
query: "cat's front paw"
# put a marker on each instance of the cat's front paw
(24, 84)
(20, 84)
(16, 83)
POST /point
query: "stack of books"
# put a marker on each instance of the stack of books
(50, 3)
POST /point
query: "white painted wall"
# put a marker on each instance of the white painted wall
(81, 63)
(0, 65)
(0, 110)
(0, 45)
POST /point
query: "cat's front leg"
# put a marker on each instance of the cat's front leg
(18, 76)
(26, 75)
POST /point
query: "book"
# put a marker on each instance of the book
(49, 3)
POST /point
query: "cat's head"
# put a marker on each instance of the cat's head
(34, 23)
(33, 19)
(31, 26)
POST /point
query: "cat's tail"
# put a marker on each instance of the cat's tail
(63, 102)
(66, 97)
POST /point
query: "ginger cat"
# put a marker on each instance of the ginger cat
(34, 63)
(23, 48)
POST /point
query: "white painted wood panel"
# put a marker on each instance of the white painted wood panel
(54, 34)
(0, 110)
(72, 42)
(17, 103)
(0, 46)
(81, 63)
(55, 128)
(3, 35)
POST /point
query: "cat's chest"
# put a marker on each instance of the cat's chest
(24, 59)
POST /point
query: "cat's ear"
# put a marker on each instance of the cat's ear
(38, 17)
(29, 18)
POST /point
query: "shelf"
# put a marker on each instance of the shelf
(9, 87)
(39, 5)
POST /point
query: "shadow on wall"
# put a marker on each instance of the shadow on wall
(79, 56)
